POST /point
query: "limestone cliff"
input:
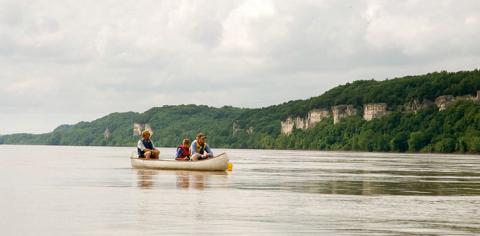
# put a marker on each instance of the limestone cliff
(342, 111)
(236, 129)
(313, 117)
(139, 128)
(106, 134)
(443, 101)
(370, 111)
(287, 126)
(416, 105)
(374, 110)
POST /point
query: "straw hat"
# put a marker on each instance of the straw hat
(145, 132)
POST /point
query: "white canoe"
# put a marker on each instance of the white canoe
(218, 163)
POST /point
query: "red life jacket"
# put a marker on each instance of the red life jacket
(185, 152)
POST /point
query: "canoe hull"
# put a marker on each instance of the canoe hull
(219, 163)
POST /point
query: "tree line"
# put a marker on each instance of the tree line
(453, 130)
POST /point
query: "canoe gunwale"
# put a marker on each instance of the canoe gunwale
(218, 163)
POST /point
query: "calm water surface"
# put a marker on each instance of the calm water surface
(47, 190)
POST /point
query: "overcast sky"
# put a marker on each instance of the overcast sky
(63, 61)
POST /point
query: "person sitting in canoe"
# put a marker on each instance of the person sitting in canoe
(199, 150)
(145, 147)
(183, 152)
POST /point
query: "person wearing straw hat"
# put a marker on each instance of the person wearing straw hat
(199, 150)
(145, 147)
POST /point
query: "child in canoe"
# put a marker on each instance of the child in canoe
(183, 151)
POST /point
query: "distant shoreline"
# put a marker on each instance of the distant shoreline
(300, 150)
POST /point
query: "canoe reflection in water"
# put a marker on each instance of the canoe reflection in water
(145, 178)
(198, 180)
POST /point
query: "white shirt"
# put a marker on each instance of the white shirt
(141, 146)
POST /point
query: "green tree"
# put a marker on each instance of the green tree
(418, 140)
(399, 142)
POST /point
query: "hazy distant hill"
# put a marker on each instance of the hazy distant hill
(411, 120)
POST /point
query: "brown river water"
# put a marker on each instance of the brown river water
(57, 190)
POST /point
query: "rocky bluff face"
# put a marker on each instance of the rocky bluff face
(313, 117)
(370, 111)
(374, 110)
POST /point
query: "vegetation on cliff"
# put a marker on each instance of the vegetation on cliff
(455, 129)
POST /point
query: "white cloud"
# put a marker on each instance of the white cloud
(419, 28)
(67, 58)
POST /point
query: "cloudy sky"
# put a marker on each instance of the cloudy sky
(64, 61)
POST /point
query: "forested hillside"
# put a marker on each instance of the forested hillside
(170, 125)
(456, 129)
